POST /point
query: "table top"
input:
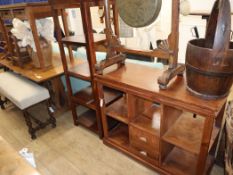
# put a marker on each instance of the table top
(11, 163)
(142, 81)
(40, 75)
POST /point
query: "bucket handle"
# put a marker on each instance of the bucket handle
(219, 28)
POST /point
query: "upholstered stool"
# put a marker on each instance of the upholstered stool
(24, 94)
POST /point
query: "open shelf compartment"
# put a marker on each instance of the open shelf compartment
(85, 97)
(180, 162)
(187, 131)
(118, 110)
(88, 120)
(119, 135)
(149, 120)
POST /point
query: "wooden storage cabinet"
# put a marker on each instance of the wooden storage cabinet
(169, 130)
(160, 135)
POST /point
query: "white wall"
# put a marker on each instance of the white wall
(162, 29)
(75, 20)
(203, 5)
(159, 29)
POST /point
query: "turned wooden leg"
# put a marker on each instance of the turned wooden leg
(28, 121)
(2, 102)
(52, 119)
(74, 113)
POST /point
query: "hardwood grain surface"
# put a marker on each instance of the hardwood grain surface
(143, 80)
(40, 75)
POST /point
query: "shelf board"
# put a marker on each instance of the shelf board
(120, 136)
(110, 95)
(85, 97)
(186, 133)
(180, 162)
(145, 123)
(81, 71)
(80, 40)
(118, 110)
(88, 120)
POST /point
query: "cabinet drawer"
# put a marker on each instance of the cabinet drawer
(144, 141)
(152, 158)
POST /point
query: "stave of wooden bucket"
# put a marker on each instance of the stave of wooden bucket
(208, 76)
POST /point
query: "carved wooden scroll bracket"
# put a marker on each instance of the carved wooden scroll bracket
(112, 42)
(173, 70)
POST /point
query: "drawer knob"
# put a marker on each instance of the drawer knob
(143, 139)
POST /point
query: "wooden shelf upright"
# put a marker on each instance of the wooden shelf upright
(88, 96)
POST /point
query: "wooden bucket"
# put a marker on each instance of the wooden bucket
(205, 78)
(209, 62)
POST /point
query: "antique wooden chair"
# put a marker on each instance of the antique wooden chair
(19, 55)
(25, 94)
(11, 49)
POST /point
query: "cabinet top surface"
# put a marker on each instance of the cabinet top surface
(142, 81)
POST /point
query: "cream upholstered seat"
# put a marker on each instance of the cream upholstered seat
(21, 91)
(24, 94)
